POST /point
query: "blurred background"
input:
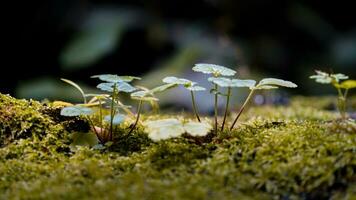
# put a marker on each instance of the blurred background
(75, 39)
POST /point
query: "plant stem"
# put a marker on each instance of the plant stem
(93, 127)
(216, 108)
(100, 116)
(226, 107)
(137, 117)
(112, 114)
(242, 108)
(341, 104)
(194, 106)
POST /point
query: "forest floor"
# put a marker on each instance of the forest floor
(299, 151)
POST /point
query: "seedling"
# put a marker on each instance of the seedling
(170, 128)
(189, 85)
(215, 71)
(230, 83)
(342, 88)
(264, 84)
(146, 95)
(114, 85)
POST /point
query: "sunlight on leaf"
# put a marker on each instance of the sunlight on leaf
(276, 82)
(175, 80)
(195, 88)
(120, 87)
(226, 82)
(164, 129)
(197, 128)
(113, 78)
(216, 70)
(325, 78)
(163, 88)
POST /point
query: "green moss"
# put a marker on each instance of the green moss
(274, 153)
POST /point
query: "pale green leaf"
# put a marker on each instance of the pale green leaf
(178, 81)
(197, 128)
(113, 78)
(265, 87)
(117, 119)
(163, 88)
(164, 129)
(216, 70)
(195, 88)
(76, 86)
(339, 77)
(349, 84)
(120, 87)
(276, 82)
(226, 82)
(72, 111)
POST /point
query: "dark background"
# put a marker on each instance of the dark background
(79, 38)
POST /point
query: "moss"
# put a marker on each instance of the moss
(23, 119)
(289, 152)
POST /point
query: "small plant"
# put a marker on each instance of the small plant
(189, 85)
(230, 83)
(114, 85)
(146, 95)
(342, 88)
(264, 84)
(215, 71)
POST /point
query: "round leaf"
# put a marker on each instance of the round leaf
(163, 88)
(276, 82)
(197, 128)
(349, 84)
(120, 87)
(216, 70)
(113, 78)
(226, 82)
(72, 111)
(195, 88)
(118, 119)
(175, 80)
(164, 129)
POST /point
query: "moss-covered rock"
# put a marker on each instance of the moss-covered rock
(289, 152)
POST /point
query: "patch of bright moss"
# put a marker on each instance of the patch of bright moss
(274, 153)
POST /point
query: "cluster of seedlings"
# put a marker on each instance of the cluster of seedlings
(105, 111)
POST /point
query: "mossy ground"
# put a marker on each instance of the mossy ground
(294, 152)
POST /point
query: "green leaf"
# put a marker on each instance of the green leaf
(164, 129)
(339, 77)
(76, 86)
(349, 84)
(195, 88)
(84, 139)
(113, 78)
(178, 81)
(325, 78)
(72, 111)
(216, 70)
(276, 82)
(120, 87)
(163, 88)
(118, 119)
(197, 128)
(226, 82)
(265, 87)
(143, 96)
